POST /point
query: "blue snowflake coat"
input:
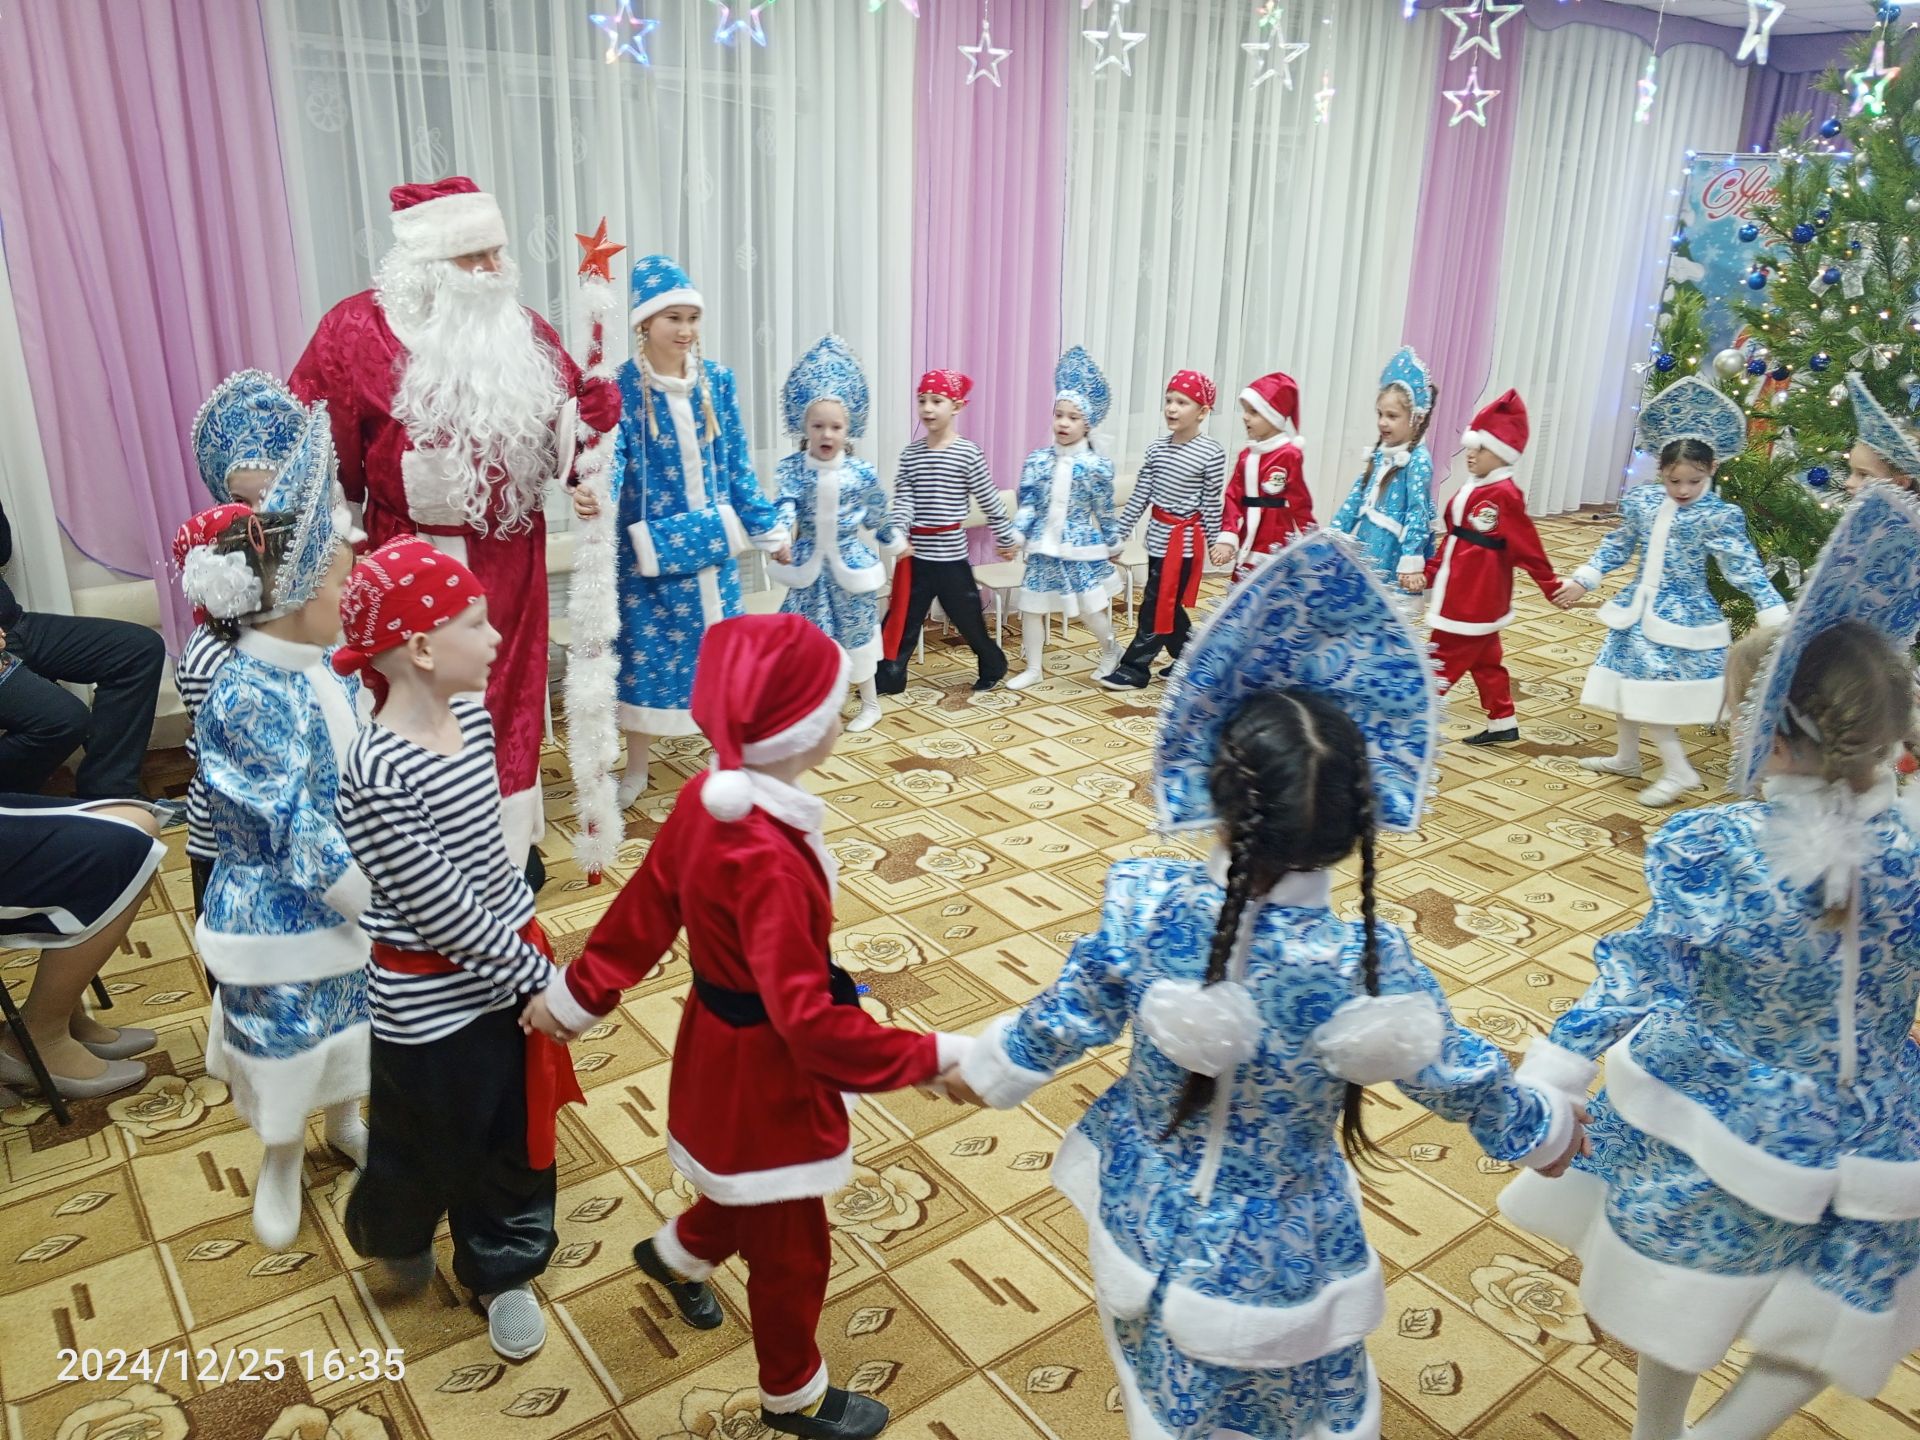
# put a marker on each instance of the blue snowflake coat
(835, 584)
(687, 505)
(1240, 1301)
(1741, 1182)
(1390, 512)
(1070, 533)
(1664, 660)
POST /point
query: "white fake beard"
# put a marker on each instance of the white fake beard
(478, 383)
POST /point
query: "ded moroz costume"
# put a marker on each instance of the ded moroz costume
(1267, 498)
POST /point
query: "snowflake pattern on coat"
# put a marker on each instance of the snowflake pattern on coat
(1394, 528)
(850, 614)
(1069, 570)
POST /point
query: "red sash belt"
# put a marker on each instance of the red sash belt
(551, 1082)
(895, 626)
(1186, 541)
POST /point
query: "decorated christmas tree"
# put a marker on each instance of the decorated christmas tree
(1833, 291)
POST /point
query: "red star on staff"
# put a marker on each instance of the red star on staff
(598, 259)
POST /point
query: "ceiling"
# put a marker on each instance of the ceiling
(1803, 17)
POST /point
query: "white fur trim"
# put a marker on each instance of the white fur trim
(806, 1181)
(1554, 1067)
(523, 820)
(1504, 724)
(728, 794)
(805, 732)
(1772, 617)
(1266, 412)
(808, 1394)
(281, 959)
(1207, 1029)
(1479, 439)
(1586, 577)
(223, 585)
(350, 895)
(665, 300)
(451, 225)
(1799, 1194)
(644, 549)
(1553, 1145)
(1462, 627)
(651, 720)
(993, 1074)
(1371, 1039)
(1654, 702)
(677, 1258)
(274, 1096)
(1409, 564)
(1122, 1284)
(951, 1050)
(1687, 1319)
(1342, 1312)
(736, 533)
(566, 1009)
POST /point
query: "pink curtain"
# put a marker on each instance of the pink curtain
(990, 214)
(149, 249)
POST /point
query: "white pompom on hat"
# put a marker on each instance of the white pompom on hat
(766, 688)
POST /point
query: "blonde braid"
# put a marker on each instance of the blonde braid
(706, 394)
(646, 388)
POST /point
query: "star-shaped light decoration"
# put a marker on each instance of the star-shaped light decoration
(1762, 16)
(633, 46)
(1115, 31)
(1470, 102)
(1276, 53)
(598, 259)
(727, 29)
(913, 7)
(1649, 86)
(1323, 99)
(989, 67)
(1870, 85)
(1490, 16)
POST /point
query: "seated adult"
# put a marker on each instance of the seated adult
(71, 877)
(41, 724)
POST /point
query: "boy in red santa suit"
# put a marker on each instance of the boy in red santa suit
(1489, 533)
(773, 1036)
(1267, 499)
(453, 408)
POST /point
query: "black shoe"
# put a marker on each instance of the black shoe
(1493, 737)
(1122, 677)
(843, 1415)
(987, 682)
(889, 678)
(1167, 669)
(699, 1306)
(536, 872)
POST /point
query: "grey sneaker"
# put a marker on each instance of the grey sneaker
(515, 1325)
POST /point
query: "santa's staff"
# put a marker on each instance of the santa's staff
(593, 744)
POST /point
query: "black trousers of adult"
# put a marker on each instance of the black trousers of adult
(41, 724)
(1147, 643)
(447, 1123)
(950, 582)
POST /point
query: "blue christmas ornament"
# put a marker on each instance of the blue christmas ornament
(1757, 280)
(1783, 373)
(1679, 239)
(1830, 275)
(1749, 232)
(1888, 14)
(1802, 233)
(1756, 366)
(1822, 215)
(1830, 126)
(1664, 363)
(1821, 361)
(1818, 476)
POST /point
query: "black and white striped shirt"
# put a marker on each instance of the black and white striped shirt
(426, 830)
(1185, 479)
(200, 660)
(931, 488)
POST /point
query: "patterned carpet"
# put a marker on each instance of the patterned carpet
(973, 836)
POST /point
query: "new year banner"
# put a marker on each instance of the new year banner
(1710, 255)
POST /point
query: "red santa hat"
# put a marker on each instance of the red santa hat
(403, 589)
(1500, 427)
(1195, 386)
(766, 688)
(446, 218)
(950, 383)
(1276, 399)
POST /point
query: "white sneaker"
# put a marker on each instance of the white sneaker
(1667, 789)
(632, 787)
(1611, 765)
(515, 1326)
(276, 1197)
(866, 719)
(1109, 660)
(1026, 678)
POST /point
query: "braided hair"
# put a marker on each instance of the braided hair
(1850, 702)
(1294, 791)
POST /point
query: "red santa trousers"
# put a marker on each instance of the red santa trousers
(789, 1256)
(1479, 656)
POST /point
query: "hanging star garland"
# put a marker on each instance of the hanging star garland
(1323, 100)
(1648, 86)
(634, 46)
(727, 29)
(1489, 15)
(1870, 85)
(1277, 49)
(1762, 16)
(1104, 39)
(599, 252)
(990, 68)
(1470, 102)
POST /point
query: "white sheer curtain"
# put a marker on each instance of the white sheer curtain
(781, 177)
(1215, 225)
(1588, 219)
(38, 574)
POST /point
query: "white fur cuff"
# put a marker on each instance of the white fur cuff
(567, 1010)
(992, 1074)
(1411, 565)
(1559, 1128)
(1554, 1067)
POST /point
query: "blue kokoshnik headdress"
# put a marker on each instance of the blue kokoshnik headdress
(828, 371)
(1691, 409)
(1407, 372)
(1078, 381)
(251, 420)
(305, 489)
(1880, 432)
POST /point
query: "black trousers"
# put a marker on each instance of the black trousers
(447, 1125)
(1148, 643)
(950, 582)
(42, 724)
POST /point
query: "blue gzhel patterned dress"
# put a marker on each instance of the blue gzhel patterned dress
(1229, 1260)
(834, 584)
(1067, 521)
(1390, 511)
(687, 507)
(1756, 1153)
(279, 931)
(1663, 664)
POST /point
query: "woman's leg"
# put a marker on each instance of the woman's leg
(1033, 645)
(1761, 1401)
(1625, 759)
(869, 715)
(1674, 764)
(1660, 1407)
(633, 784)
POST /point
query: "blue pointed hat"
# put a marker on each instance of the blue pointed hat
(657, 282)
(305, 489)
(1691, 409)
(1078, 380)
(1869, 570)
(251, 419)
(1879, 431)
(1313, 617)
(829, 371)
(1407, 371)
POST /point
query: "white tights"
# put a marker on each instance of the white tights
(1666, 741)
(1763, 1399)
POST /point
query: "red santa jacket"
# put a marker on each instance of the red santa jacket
(755, 1113)
(1267, 500)
(1488, 534)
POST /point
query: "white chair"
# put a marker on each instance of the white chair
(1002, 578)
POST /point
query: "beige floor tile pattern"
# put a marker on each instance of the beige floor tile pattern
(973, 836)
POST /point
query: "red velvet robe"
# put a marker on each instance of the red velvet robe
(1472, 583)
(1259, 531)
(354, 363)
